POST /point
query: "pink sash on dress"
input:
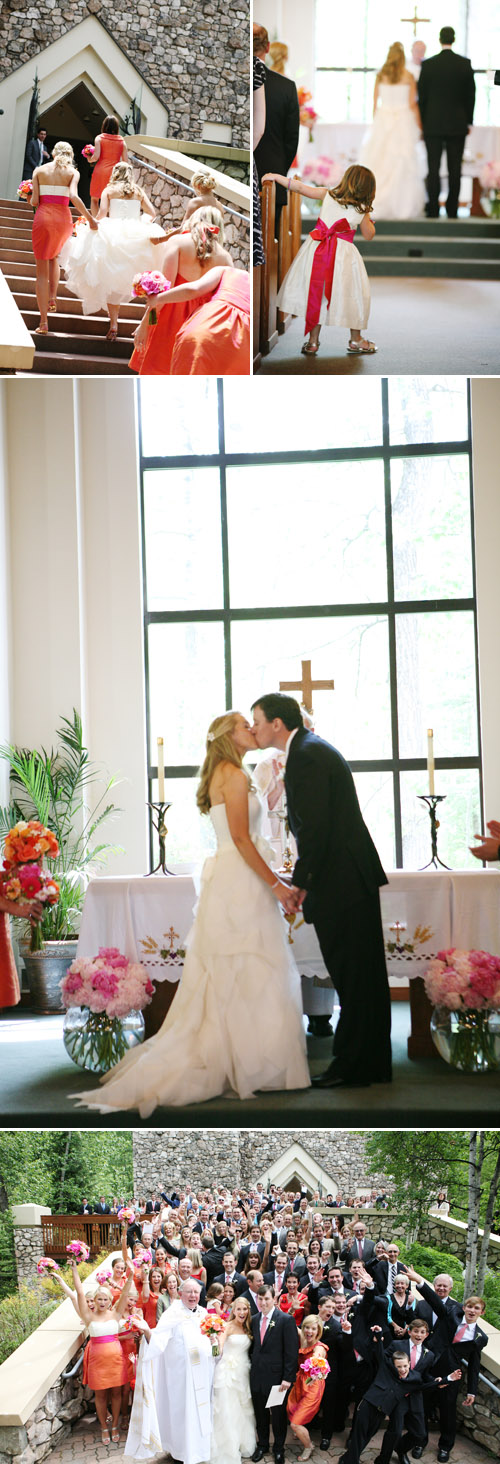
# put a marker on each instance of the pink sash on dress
(323, 265)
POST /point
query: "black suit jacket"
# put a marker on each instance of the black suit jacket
(380, 1273)
(449, 1315)
(338, 863)
(152, 1209)
(102, 1210)
(446, 94)
(276, 1360)
(470, 1352)
(277, 147)
(32, 156)
(387, 1389)
(350, 1252)
(85, 1210)
(238, 1281)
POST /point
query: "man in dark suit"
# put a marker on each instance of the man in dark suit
(277, 148)
(85, 1208)
(229, 1273)
(446, 94)
(36, 153)
(455, 1336)
(386, 1270)
(359, 1249)
(296, 1263)
(254, 1282)
(387, 1395)
(153, 1205)
(277, 1276)
(274, 1363)
(337, 877)
(102, 1208)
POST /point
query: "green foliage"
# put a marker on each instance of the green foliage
(20, 1315)
(54, 787)
(430, 1262)
(492, 1298)
(8, 1275)
(85, 1268)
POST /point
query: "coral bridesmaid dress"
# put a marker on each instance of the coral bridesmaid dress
(53, 222)
(111, 153)
(155, 360)
(215, 341)
(305, 1397)
(9, 984)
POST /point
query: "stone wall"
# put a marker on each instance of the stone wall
(28, 1246)
(51, 1422)
(229, 1157)
(170, 200)
(196, 57)
(482, 1421)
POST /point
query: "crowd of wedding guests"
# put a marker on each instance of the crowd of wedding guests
(200, 321)
(396, 1346)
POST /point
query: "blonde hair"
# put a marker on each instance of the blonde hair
(279, 54)
(123, 179)
(196, 1260)
(311, 1318)
(207, 229)
(357, 187)
(104, 1289)
(63, 153)
(220, 748)
(248, 1322)
(203, 182)
(394, 64)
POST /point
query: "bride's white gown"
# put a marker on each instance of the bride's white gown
(236, 1021)
(100, 264)
(396, 156)
(233, 1421)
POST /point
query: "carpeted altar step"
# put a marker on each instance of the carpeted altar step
(443, 248)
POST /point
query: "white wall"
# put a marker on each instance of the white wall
(293, 23)
(76, 592)
(485, 417)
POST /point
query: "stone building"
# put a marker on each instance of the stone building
(327, 1159)
(183, 65)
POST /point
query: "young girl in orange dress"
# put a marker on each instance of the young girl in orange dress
(107, 1368)
(187, 258)
(55, 187)
(306, 1394)
(110, 148)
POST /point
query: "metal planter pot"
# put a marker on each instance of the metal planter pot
(44, 971)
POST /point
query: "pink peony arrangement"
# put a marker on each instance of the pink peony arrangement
(46, 1264)
(107, 983)
(79, 1250)
(315, 1367)
(464, 980)
(145, 1259)
(127, 1214)
(88, 151)
(146, 286)
(322, 171)
(102, 1277)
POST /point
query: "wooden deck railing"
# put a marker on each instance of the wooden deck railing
(100, 1232)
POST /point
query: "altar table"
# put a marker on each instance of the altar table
(342, 141)
(422, 912)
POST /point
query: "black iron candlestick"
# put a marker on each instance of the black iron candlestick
(161, 809)
(432, 799)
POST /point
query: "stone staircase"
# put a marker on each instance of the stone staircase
(466, 248)
(76, 344)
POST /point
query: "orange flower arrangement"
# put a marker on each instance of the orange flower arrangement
(28, 842)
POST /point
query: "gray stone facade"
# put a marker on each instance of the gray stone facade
(482, 1421)
(51, 1422)
(195, 57)
(28, 1246)
(171, 201)
(239, 1157)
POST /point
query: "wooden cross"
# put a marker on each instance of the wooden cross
(415, 20)
(171, 935)
(307, 686)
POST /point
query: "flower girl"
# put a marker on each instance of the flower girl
(327, 281)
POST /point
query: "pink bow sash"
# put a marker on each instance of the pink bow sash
(324, 265)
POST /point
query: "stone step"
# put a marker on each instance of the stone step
(452, 269)
(26, 301)
(56, 363)
(419, 246)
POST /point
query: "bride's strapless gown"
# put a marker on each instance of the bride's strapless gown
(396, 156)
(100, 264)
(233, 1425)
(236, 1021)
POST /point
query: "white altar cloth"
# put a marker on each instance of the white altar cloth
(342, 141)
(149, 920)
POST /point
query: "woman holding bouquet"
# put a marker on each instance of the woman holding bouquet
(109, 148)
(233, 1427)
(55, 188)
(100, 267)
(107, 1369)
(305, 1397)
(187, 258)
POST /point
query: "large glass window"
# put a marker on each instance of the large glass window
(319, 522)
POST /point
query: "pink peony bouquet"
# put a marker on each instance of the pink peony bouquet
(463, 980)
(46, 1264)
(88, 151)
(107, 983)
(315, 1367)
(103, 1277)
(146, 286)
(78, 1250)
(146, 1259)
(25, 189)
(127, 1214)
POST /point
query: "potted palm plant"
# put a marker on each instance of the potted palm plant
(56, 788)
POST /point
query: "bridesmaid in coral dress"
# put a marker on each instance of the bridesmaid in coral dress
(55, 187)
(187, 258)
(215, 340)
(305, 1396)
(110, 148)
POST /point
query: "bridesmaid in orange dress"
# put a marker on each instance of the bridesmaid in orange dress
(215, 340)
(187, 258)
(107, 1367)
(10, 993)
(305, 1396)
(110, 148)
(55, 188)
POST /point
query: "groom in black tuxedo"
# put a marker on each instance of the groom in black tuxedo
(337, 876)
(275, 1358)
(446, 95)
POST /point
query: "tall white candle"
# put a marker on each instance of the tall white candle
(430, 758)
(161, 772)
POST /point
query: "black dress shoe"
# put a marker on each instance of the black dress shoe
(443, 1456)
(333, 1079)
(403, 1458)
(259, 1454)
(325, 1444)
(280, 1458)
(417, 1452)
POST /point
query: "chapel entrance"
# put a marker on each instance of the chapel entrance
(76, 118)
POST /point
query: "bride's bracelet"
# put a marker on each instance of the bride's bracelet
(276, 884)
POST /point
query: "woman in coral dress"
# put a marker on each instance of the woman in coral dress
(305, 1396)
(215, 340)
(187, 258)
(107, 1367)
(110, 149)
(55, 187)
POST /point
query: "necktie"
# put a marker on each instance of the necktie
(360, 1249)
(393, 1274)
(263, 1326)
(413, 1355)
(461, 1332)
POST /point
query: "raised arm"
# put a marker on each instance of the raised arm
(295, 185)
(82, 1308)
(119, 1306)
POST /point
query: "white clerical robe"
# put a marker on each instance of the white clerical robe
(172, 1409)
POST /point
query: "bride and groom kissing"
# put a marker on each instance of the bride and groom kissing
(236, 1023)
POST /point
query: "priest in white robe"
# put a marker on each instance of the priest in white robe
(172, 1408)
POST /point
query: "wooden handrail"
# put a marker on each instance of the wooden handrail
(100, 1232)
(279, 255)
